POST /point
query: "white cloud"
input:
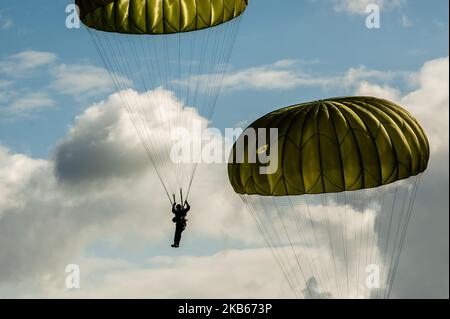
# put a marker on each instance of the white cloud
(6, 23)
(123, 205)
(78, 81)
(286, 75)
(83, 80)
(47, 222)
(21, 63)
(15, 171)
(246, 273)
(429, 103)
(5, 93)
(31, 101)
(386, 92)
(156, 114)
(19, 100)
(358, 7)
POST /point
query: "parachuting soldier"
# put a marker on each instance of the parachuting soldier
(179, 220)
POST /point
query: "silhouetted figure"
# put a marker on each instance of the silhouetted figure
(180, 221)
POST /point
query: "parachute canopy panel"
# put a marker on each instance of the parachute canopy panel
(335, 145)
(157, 16)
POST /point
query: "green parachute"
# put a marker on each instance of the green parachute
(167, 59)
(337, 145)
(346, 178)
(158, 16)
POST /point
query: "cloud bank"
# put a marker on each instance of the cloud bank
(84, 206)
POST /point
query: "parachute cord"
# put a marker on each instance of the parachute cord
(191, 181)
(292, 249)
(270, 244)
(280, 242)
(345, 229)
(115, 80)
(140, 115)
(375, 241)
(388, 231)
(403, 235)
(316, 239)
(359, 249)
(342, 236)
(216, 77)
(333, 257)
(311, 261)
(146, 88)
(396, 241)
(368, 200)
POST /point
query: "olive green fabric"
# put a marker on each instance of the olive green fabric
(157, 16)
(335, 145)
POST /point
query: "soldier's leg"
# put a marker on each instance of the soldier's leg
(178, 231)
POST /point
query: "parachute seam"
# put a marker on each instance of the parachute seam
(393, 145)
(306, 110)
(310, 138)
(145, 22)
(300, 151)
(181, 14)
(393, 150)
(357, 108)
(167, 22)
(398, 162)
(329, 138)
(161, 19)
(223, 11)
(210, 14)
(299, 192)
(146, 17)
(98, 18)
(196, 14)
(320, 150)
(332, 183)
(338, 144)
(372, 137)
(344, 137)
(409, 125)
(279, 120)
(314, 185)
(115, 9)
(288, 129)
(129, 15)
(257, 186)
(361, 163)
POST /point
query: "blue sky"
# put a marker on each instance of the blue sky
(309, 31)
(287, 52)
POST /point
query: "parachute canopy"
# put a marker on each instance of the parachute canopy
(335, 145)
(157, 16)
